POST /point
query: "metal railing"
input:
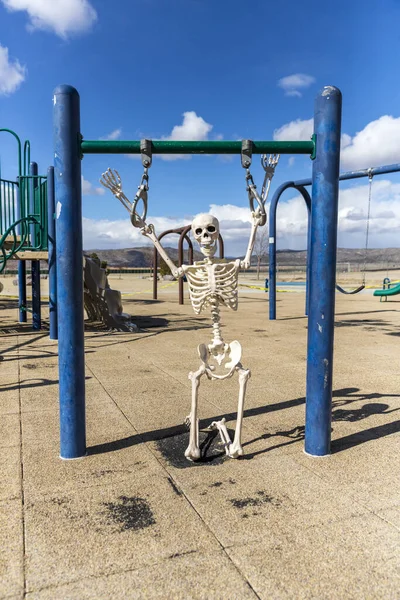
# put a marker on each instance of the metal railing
(23, 216)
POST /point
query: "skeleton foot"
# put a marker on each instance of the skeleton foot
(192, 452)
(235, 450)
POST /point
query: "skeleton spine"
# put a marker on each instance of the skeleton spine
(217, 337)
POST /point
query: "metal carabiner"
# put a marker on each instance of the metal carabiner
(141, 195)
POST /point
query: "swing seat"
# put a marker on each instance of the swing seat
(349, 292)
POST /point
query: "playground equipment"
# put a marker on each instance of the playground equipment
(27, 231)
(387, 290)
(324, 148)
(101, 302)
(212, 283)
(300, 186)
(183, 235)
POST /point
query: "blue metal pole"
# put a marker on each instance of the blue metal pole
(22, 290)
(307, 199)
(383, 170)
(272, 247)
(51, 209)
(21, 263)
(308, 267)
(324, 208)
(36, 303)
(69, 252)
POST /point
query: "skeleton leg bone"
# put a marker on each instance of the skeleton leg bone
(192, 452)
(235, 449)
(223, 432)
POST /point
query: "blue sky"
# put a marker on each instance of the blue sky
(208, 69)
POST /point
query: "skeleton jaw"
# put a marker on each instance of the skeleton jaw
(208, 250)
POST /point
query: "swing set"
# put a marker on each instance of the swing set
(300, 186)
(363, 283)
(70, 147)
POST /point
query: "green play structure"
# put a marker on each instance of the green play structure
(23, 210)
(387, 289)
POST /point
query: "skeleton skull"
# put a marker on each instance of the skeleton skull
(205, 229)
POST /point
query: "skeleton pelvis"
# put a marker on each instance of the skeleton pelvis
(226, 356)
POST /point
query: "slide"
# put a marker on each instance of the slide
(393, 291)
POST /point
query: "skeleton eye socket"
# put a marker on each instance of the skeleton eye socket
(211, 229)
(198, 231)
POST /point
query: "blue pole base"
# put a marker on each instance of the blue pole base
(22, 291)
(73, 457)
(36, 312)
(317, 455)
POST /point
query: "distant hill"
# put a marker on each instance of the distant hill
(143, 256)
(354, 256)
(136, 257)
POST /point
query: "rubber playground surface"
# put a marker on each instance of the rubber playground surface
(135, 519)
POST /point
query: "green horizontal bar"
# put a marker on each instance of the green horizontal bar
(212, 147)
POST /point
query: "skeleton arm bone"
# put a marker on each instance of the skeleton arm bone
(245, 264)
(148, 231)
(112, 181)
(269, 164)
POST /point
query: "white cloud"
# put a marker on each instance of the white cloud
(114, 135)
(377, 144)
(63, 17)
(12, 73)
(193, 128)
(121, 234)
(295, 130)
(291, 222)
(291, 161)
(292, 84)
(352, 218)
(88, 189)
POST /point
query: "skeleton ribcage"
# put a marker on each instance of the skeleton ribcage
(213, 282)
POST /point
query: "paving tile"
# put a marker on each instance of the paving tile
(353, 558)
(109, 461)
(368, 471)
(10, 473)
(9, 401)
(43, 427)
(123, 526)
(275, 504)
(11, 549)
(391, 515)
(242, 500)
(196, 575)
(9, 430)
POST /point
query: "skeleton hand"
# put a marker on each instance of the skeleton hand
(112, 181)
(269, 164)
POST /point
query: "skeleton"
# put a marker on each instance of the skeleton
(212, 282)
